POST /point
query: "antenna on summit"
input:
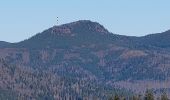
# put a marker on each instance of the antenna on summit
(57, 20)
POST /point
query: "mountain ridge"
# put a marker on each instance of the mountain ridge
(88, 30)
(75, 33)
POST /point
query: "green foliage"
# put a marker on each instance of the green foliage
(137, 97)
(115, 97)
(164, 96)
(149, 95)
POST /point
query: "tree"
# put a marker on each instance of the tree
(115, 97)
(164, 96)
(135, 97)
(149, 95)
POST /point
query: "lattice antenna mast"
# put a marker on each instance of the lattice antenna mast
(57, 21)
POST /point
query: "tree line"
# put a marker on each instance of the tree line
(149, 95)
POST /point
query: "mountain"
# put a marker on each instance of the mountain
(3, 44)
(76, 33)
(86, 55)
(159, 40)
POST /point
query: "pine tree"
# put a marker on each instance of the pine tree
(149, 95)
(164, 96)
(116, 97)
(135, 98)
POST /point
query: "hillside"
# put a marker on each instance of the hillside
(20, 83)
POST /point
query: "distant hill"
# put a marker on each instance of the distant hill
(159, 40)
(68, 35)
(3, 44)
(96, 59)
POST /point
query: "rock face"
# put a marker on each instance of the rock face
(89, 58)
(74, 28)
(61, 30)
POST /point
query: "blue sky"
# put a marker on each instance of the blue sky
(20, 19)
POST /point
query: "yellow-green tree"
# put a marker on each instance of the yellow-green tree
(115, 97)
(134, 98)
(164, 96)
(149, 95)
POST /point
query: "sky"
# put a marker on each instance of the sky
(21, 19)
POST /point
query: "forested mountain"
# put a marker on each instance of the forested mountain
(83, 59)
(158, 40)
(4, 44)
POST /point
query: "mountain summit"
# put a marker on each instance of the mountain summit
(86, 32)
(78, 27)
(75, 33)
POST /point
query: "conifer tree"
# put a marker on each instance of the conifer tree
(149, 95)
(116, 97)
(135, 97)
(164, 96)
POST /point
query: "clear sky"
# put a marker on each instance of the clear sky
(20, 19)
